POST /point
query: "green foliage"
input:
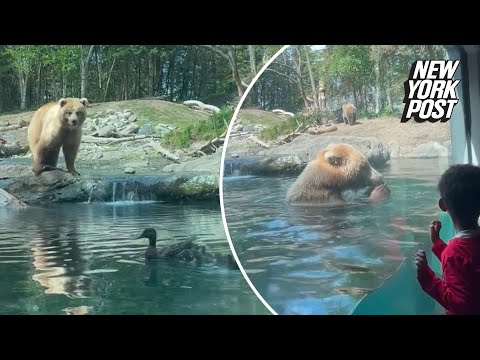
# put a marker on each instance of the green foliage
(121, 72)
(203, 130)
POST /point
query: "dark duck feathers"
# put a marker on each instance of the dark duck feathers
(185, 251)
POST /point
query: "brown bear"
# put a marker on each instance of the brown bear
(336, 169)
(53, 126)
(348, 114)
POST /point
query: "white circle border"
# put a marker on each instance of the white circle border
(222, 165)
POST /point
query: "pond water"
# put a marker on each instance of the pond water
(323, 260)
(84, 259)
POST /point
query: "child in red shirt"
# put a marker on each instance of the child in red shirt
(459, 291)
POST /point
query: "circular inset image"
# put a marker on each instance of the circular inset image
(326, 193)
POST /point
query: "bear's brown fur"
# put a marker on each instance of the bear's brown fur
(53, 126)
(336, 168)
(349, 113)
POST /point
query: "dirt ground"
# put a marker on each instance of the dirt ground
(386, 129)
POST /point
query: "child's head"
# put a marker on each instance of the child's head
(459, 189)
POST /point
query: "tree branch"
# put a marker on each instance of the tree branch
(216, 51)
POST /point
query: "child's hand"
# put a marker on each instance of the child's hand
(435, 227)
(421, 262)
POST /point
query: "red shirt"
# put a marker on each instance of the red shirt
(459, 291)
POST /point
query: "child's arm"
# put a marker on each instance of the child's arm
(439, 290)
(438, 245)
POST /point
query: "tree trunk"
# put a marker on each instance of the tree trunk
(108, 79)
(377, 87)
(312, 80)
(99, 68)
(64, 84)
(151, 73)
(253, 65)
(23, 81)
(38, 99)
(84, 59)
(235, 73)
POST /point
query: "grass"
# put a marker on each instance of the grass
(203, 130)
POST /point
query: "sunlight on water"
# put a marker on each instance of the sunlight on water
(323, 260)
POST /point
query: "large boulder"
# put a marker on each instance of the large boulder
(11, 201)
(59, 186)
(307, 146)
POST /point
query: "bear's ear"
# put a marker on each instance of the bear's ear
(84, 101)
(62, 102)
(333, 159)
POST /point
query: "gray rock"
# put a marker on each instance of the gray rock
(130, 129)
(234, 156)
(113, 118)
(146, 129)
(248, 128)
(107, 131)
(110, 112)
(129, 170)
(209, 163)
(127, 111)
(127, 114)
(11, 201)
(59, 186)
(264, 165)
(132, 118)
(306, 147)
(429, 150)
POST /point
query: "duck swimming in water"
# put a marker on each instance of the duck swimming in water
(186, 251)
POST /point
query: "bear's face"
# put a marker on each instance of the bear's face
(73, 112)
(344, 167)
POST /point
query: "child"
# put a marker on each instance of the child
(459, 291)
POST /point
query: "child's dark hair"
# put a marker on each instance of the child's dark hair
(459, 187)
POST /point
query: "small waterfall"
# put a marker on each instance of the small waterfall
(114, 190)
(90, 195)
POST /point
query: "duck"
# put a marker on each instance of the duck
(186, 251)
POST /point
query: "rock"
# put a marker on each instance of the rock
(248, 128)
(146, 129)
(132, 118)
(58, 186)
(113, 118)
(264, 165)
(127, 111)
(258, 128)
(129, 170)
(130, 129)
(394, 149)
(209, 163)
(238, 128)
(429, 150)
(12, 149)
(138, 164)
(234, 156)
(107, 131)
(127, 114)
(11, 201)
(98, 115)
(162, 130)
(110, 112)
(306, 147)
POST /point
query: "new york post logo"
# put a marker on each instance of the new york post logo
(430, 91)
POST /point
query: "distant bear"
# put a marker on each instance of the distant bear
(336, 169)
(347, 113)
(53, 126)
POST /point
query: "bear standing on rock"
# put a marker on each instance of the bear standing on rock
(53, 126)
(336, 169)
